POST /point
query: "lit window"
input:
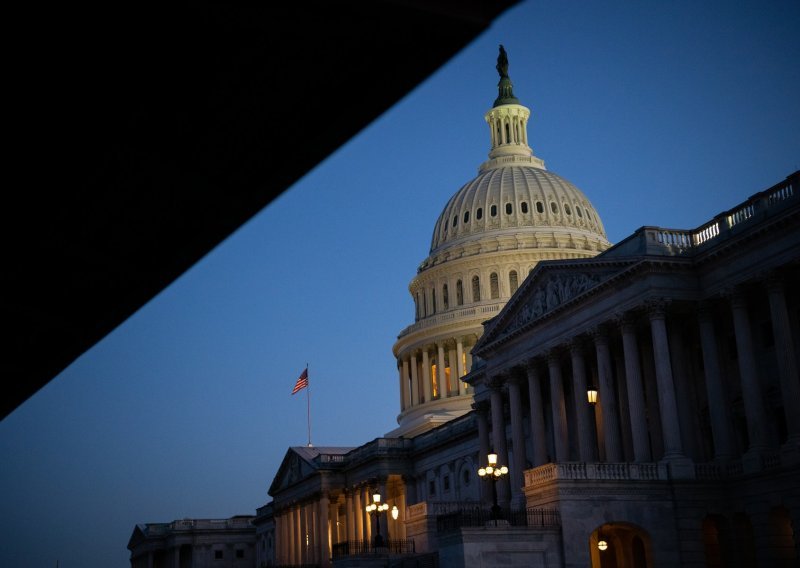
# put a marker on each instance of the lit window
(434, 382)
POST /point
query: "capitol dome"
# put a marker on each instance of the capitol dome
(490, 235)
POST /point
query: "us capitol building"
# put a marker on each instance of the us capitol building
(563, 402)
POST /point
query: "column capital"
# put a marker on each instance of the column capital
(532, 364)
(553, 355)
(576, 344)
(598, 333)
(657, 307)
(773, 280)
(481, 406)
(626, 321)
(496, 382)
(516, 375)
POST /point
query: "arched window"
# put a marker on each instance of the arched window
(466, 216)
(578, 211)
(479, 213)
(494, 286)
(539, 207)
(524, 206)
(509, 209)
(445, 298)
(508, 135)
(513, 283)
(476, 289)
(455, 220)
(567, 210)
(493, 211)
(416, 305)
(433, 300)
(459, 293)
(424, 304)
(553, 207)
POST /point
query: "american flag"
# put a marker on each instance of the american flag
(302, 382)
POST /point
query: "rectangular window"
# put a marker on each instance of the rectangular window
(239, 553)
(446, 482)
(431, 487)
(217, 555)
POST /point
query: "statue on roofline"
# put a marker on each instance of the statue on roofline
(502, 63)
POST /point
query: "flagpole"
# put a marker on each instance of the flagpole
(308, 398)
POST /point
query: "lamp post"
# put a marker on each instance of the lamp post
(376, 508)
(494, 473)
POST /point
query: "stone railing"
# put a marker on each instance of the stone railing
(481, 310)
(657, 240)
(595, 471)
(193, 524)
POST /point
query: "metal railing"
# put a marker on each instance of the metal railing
(365, 547)
(481, 517)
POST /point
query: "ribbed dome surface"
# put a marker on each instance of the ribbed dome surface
(511, 198)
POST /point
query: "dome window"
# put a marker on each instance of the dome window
(539, 207)
(466, 217)
(513, 282)
(553, 207)
(479, 213)
(567, 210)
(524, 206)
(476, 289)
(459, 293)
(578, 211)
(509, 209)
(455, 220)
(494, 286)
(433, 300)
(445, 297)
(493, 211)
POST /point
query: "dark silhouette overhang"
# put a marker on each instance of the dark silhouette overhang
(156, 132)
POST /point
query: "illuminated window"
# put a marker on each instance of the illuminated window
(447, 379)
(512, 281)
(494, 286)
(434, 382)
(445, 297)
(476, 289)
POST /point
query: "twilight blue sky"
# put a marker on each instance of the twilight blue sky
(663, 113)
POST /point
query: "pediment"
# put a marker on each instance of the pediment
(548, 289)
(293, 469)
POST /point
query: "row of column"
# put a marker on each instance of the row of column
(624, 408)
(420, 382)
(306, 532)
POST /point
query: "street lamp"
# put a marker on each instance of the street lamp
(591, 395)
(494, 473)
(376, 508)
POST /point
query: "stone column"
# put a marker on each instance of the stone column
(587, 446)
(440, 370)
(673, 450)
(358, 514)
(415, 395)
(408, 393)
(718, 402)
(651, 398)
(537, 414)
(481, 411)
(636, 401)
(687, 409)
(402, 388)
(323, 535)
(752, 394)
(350, 515)
(462, 387)
(787, 365)
(499, 437)
(426, 375)
(517, 440)
(607, 397)
(452, 385)
(366, 499)
(559, 410)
